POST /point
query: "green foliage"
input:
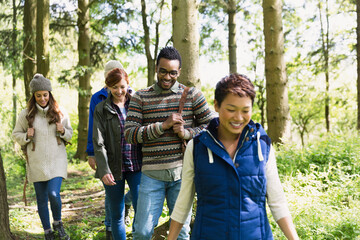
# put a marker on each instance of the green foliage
(322, 184)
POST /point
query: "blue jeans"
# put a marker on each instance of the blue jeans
(107, 222)
(116, 197)
(128, 198)
(152, 194)
(45, 191)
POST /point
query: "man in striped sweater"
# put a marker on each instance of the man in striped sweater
(153, 121)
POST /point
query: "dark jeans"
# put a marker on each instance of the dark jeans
(115, 195)
(48, 190)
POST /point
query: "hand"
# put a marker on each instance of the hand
(92, 162)
(171, 120)
(179, 129)
(60, 128)
(108, 179)
(30, 133)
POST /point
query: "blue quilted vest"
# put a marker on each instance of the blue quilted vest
(231, 196)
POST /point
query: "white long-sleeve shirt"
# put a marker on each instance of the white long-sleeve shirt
(275, 194)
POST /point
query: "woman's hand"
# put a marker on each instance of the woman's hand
(30, 133)
(92, 162)
(60, 128)
(108, 179)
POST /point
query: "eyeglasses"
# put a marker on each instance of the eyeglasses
(163, 72)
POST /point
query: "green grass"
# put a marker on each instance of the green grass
(321, 182)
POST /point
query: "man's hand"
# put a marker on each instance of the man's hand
(92, 162)
(174, 118)
(108, 179)
(179, 130)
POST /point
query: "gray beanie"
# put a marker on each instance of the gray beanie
(110, 65)
(40, 83)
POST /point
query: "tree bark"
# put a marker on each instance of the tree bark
(358, 61)
(231, 9)
(278, 114)
(325, 51)
(186, 40)
(42, 37)
(14, 53)
(84, 76)
(4, 206)
(29, 44)
(150, 58)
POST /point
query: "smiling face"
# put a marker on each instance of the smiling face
(234, 114)
(167, 72)
(42, 98)
(118, 91)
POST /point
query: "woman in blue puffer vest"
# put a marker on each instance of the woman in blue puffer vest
(232, 168)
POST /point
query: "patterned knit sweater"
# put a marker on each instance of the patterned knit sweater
(149, 108)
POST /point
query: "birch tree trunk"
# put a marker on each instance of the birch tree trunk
(84, 77)
(42, 37)
(277, 107)
(29, 44)
(186, 40)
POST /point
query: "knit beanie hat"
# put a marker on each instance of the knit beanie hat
(40, 83)
(110, 65)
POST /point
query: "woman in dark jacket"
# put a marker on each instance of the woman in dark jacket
(116, 160)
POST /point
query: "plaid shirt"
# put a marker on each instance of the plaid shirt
(132, 156)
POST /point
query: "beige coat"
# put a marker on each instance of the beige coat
(49, 159)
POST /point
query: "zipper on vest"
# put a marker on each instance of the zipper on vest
(216, 141)
(242, 143)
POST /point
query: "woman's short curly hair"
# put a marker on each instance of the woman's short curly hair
(235, 83)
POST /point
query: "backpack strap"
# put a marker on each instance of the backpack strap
(183, 99)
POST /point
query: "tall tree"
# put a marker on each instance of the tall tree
(4, 207)
(42, 37)
(186, 39)
(84, 76)
(277, 108)
(325, 45)
(147, 40)
(231, 10)
(214, 9)
(29, 44)
(358, 61)
(14, 53)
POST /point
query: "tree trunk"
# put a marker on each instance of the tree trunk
(5, 233)
(42, 37)
(186, 39)
(14, 53)
(325, 52)
(358, 61)
(150, 59)
(84, 76)
(29, 44)
(232, 35)
(277, 108)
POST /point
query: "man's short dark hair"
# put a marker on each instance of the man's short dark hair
(169, 53)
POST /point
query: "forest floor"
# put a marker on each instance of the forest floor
(82, 211)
